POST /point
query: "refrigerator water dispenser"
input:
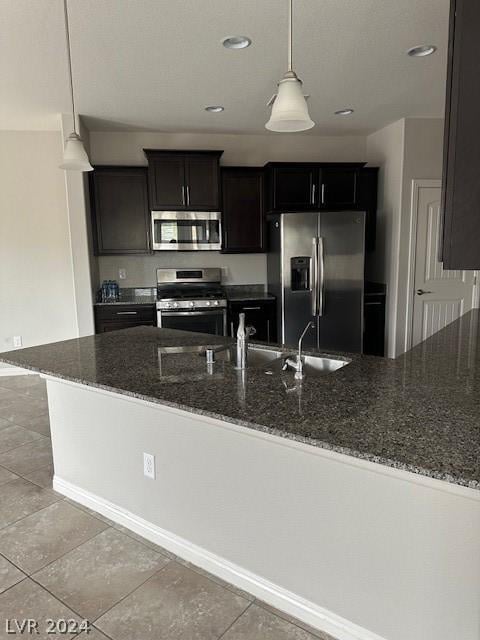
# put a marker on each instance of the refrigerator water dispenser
(300, 273)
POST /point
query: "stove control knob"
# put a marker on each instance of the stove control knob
(192, 304)
(175, 305)
(216, 303)
(208, 303)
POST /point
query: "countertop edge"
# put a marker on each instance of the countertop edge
(353, 453)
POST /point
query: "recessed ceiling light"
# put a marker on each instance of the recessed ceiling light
(236, 42)
(344, 112)
(422, 50)
(215, 108)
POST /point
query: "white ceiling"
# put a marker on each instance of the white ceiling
(155, 64)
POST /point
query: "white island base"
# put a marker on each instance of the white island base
(356, 549)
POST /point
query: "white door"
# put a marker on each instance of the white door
(440, 296)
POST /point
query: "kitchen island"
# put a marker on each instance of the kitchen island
(351, 501)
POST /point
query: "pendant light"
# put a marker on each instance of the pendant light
(289, 109)
(75, 157)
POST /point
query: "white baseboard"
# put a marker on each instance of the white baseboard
(272, 594)
(15, 371)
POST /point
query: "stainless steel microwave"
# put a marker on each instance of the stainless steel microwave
(186, 231)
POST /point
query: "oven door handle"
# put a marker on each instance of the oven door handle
(209, 312)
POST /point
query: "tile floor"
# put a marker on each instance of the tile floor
(59, 560)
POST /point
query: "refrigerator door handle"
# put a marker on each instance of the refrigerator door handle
(315, 277)
(320, 277)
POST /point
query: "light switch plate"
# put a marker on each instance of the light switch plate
(122, 274)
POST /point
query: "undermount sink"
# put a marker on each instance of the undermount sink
(312, 365)
(256, 356)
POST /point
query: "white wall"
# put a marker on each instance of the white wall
(423, 159)
(407, 150)
(254, 150)
(36, 276)
(385, 148)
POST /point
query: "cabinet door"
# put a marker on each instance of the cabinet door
(259, 315)
(120, 210)
(338, 188)
(294, 188)
(243, 216)
(104, 327)
(166, 180)
(461, 183)
(202, 182)
(374, 326)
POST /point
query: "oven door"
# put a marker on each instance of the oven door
(213, 322)
(186, 231)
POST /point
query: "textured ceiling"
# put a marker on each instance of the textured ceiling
(155, 64)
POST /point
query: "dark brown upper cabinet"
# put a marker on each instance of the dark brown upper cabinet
(331, 186)
(243, 219)
(338, 187)
(292, 187)
(184, 180)
(461, 161)
(120, 212)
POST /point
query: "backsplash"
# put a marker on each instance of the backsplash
(141, 269)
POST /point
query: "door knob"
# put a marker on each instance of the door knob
(422, 292)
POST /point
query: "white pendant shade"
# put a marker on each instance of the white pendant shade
(75, 157)
(289, 109)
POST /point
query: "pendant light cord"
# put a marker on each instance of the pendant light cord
(69, 59)
(290, 35)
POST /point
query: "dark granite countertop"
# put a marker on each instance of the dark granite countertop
(420, 413)
(133, 295)
(247, 293)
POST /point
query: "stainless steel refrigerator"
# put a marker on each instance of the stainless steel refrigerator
(315, 268)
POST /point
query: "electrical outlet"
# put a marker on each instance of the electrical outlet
(17, 341)
(149, 465)
(122, 274)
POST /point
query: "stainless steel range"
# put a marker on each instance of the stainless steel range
(191, 300)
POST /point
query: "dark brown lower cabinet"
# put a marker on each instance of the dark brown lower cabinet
(259, 314)
(243, 219)
(374, 325)
(122, 316)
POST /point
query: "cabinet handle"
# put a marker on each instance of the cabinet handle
(188, 195)
(231, 329)
(323, 194)
(373, 304)
(126, 313)
(313, 194)
(251, 308)
(183, 195)
(268, 330)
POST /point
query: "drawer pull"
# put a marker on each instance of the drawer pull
(126, 313)
(251, 308)
(373, 304)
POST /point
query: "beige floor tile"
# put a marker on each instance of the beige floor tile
(4, 423)
(96, 575)
(20, 382)
(39, 424)
(20, 498)
(257, 622)
(29, 457)
(147, 543)
(91, 512)
(298, 623)
(9, 575)
(219, 581)
(46, 535)
(29, 600)
(14, 436)
(176, 604)
(6, 475)
(20, 408)
(43, 477)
